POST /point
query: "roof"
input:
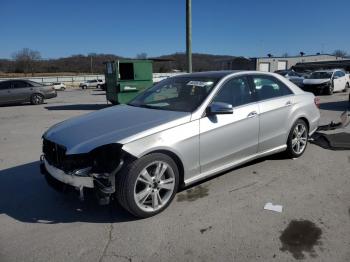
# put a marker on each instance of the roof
(334, 64)
(209, 74)
(296, 56)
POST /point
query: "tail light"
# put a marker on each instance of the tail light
(317, 101)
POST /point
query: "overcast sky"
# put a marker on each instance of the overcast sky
(232, 27)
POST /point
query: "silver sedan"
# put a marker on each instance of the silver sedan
(180, 131)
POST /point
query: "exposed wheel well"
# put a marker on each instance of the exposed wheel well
(177, 161)
(306, 121)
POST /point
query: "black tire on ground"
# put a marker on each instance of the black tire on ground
(36, 99)
(127, 178)
(84, 87)
(98, 86)
(290, 152)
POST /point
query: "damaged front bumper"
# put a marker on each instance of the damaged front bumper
(102, 184)
(69, 179)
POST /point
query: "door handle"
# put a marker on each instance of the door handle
(288, 103)
(252, 114)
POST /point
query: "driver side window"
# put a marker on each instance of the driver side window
(236, 92)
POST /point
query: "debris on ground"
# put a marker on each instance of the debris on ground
(272, 207)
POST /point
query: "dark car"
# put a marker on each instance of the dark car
(22, 91)
(292, 76)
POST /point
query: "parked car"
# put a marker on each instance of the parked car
(21, 91)
(179, 131)
(292, 76)
(95, 83)
(326, 81)
(59, 86)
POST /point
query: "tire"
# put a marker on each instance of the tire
(36, 99)
(98, 86)
(63, 88)
(139, 179)
(84, 87)
(330, 90)
(295, 138)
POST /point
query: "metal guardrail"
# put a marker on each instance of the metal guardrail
(63, 79)
(81, 78)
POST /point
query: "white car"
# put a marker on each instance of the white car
(326, 81)
(59, 86)
(97, 83)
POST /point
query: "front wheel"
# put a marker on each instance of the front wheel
(330, 90)
(346, 87)
(297, 139)
(148, 185)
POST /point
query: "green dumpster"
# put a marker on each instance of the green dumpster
(126, 78)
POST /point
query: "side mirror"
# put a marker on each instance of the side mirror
(219, 108)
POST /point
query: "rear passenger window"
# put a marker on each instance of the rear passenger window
(20, 84)
(235, 92)
(269, 87)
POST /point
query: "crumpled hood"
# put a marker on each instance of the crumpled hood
(117, 124)
(315, 81)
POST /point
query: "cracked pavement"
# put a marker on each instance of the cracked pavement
(220, 219)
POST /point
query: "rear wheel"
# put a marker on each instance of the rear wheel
(346, 87)
(36, 99)
(297, 139)
(148, 185)
(98, 86)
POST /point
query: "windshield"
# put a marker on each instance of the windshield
(321, 75)
(183, 94)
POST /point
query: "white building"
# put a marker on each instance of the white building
(271, 64)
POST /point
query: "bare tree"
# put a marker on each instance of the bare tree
(25, 60)
(285, 54)
(141, 56)
(340, 53)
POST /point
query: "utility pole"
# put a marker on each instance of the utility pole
(189, 35)
(91, 64)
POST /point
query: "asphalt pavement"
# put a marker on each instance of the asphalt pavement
(220, 219)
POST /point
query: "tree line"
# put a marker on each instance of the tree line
(30, 62)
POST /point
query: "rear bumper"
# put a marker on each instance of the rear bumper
(50, 95)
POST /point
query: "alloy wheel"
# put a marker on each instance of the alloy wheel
(299, 138)
(154, 186)
(37, 99)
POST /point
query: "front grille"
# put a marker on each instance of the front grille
(56, 156)
(54, 153)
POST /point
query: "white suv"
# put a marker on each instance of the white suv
(97, 83)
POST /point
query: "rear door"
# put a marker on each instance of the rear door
(21, 90)
(5, 92)
(225, 139)
(275, 103)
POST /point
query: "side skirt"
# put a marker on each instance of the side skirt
(234, 164)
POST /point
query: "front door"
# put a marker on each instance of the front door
(226, 139)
